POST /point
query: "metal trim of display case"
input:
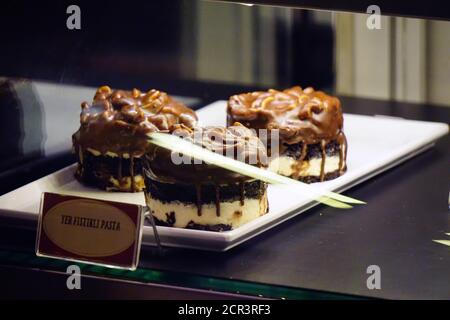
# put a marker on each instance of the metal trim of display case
(412, 8)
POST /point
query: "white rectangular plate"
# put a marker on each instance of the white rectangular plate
(374, 145)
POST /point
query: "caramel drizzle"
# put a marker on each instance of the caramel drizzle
(241, 193)
(119, 169)
(295, 109)
(132, 185)
(322, 164)
(304, 151)
(80, 155)
(217, 200)
(342, 150)
(299, 165)
(80, 161)
(198, 191)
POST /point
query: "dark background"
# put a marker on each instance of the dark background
(137, 43)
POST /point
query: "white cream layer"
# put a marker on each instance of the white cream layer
(231, 213)
(286, 166)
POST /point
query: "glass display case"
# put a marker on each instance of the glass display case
(388, 62)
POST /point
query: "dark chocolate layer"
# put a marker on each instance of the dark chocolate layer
(313, 151)
(167, 192)
(96, 171)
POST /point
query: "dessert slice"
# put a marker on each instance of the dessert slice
(186, 193)
(311, 144)
(112, 137)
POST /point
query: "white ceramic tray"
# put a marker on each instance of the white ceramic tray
(375, 144)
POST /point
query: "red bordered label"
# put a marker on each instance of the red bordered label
(89, 230)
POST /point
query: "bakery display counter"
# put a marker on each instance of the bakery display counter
(325, 253)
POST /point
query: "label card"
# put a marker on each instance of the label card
(89, 230)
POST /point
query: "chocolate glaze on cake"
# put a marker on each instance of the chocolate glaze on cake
(303, 117)
(116, 124)
(245, 146)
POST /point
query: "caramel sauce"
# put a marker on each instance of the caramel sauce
(342, 140)
(323, 145)
(132, 183)
(298, 167)
(198, 190)
(119, 169)
(217, 189)
(300, 114)
(241, 193)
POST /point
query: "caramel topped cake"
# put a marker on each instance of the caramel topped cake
(312, 144)
(112, 136)
(197, 195)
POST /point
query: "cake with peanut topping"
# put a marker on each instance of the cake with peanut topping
(312, 146)
(112, 136)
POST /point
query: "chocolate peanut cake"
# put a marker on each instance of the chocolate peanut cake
(312, 144)
(197, 195)
(112, 137)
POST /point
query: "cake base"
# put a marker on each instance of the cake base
(110, 172)
(191, 207)
(311, 163)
